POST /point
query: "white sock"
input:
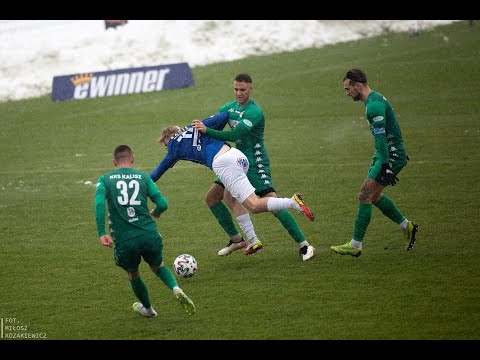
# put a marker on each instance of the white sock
(356, 244)
(276, 204)
(403, 224)
(303, 243)
(247, 226)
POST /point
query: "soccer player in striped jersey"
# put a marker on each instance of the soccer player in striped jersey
(388, 160)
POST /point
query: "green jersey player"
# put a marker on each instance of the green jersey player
(133, 231)
(247, 122)
(388, 160)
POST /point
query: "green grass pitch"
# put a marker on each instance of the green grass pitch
(58, 280)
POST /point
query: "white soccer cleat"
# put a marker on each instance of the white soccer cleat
(141, 310)
(232, 246)
(307, 252)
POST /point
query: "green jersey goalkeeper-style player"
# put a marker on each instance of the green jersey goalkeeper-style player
(388, 160)
(248, 125)
(133, 230)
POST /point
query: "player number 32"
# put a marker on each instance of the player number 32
(123, 187)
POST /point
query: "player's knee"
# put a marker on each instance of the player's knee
(254, 207)
(214, 196)
(156, 268)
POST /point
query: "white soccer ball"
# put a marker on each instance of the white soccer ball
(185, 265)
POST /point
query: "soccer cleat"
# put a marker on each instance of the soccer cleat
(232, 246)
(252, 249)
(187, 304)
(346, 249)
(141, 310)
(299, 199)
(307, 252)
(410, 232)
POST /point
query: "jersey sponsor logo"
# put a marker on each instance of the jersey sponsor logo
(247, 122)
(121, 82)
(242, 162)
(377, 118)
(378, 131)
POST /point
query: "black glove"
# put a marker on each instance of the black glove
(387, 175)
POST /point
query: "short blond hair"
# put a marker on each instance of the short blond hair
(167, 133)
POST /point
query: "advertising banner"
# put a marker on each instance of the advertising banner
(121, 82)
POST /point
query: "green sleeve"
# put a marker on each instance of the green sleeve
(157, 197)
(100, 207)
(228, 135)
(377, 118)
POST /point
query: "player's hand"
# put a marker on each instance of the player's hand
(387, 175)
(199, 126)
(152, 213)
(106, 240)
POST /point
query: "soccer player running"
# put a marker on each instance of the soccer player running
(389, 159)
(133, 231)
(228, 163)
(248, 126)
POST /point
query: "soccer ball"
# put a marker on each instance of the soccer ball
(185, 265)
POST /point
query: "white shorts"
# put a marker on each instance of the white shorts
(231, 168)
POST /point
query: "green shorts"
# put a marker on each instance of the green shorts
(128, 254)
(397, 166)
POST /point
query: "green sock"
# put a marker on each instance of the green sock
(361, 221)
(141, 292)
(166, 275)
(289, 223)
(388, 208)
(224, 218)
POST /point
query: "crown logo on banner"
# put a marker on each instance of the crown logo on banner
(81, 79)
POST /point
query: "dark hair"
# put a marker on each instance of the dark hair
(243, 78)
(122, 152)
(356, 75)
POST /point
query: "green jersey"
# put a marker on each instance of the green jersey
(248, 127)
(126, 191)
(386, 132)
